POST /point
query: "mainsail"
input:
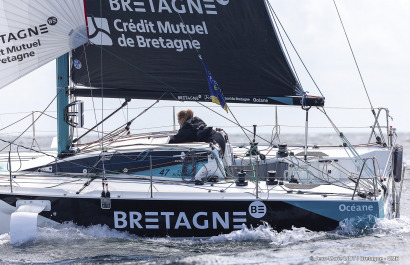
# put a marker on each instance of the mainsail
(149, 49)
(34, 32)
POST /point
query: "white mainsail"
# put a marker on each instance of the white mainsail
(34, 32)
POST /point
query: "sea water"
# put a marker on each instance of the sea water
(357, 241)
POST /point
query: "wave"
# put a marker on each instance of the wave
(370, 225)
(354, 227)
(267, 233)
(70, 231)
(4, 238)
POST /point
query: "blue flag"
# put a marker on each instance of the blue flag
(216, 92)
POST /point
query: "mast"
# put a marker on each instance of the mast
(63, 137)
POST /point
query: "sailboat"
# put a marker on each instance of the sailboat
(142, 184)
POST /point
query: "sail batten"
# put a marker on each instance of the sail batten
(151, 47)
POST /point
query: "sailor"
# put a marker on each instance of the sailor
(193, 129)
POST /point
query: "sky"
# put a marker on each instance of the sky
(379, 34)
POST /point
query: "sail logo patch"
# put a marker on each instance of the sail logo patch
(23, 51)
(99, 29)
(24, 33)
(77, 64)
(257, 209)
(52, 21)
(18, 53)
(170, 6)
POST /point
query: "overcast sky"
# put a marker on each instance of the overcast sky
(379, 31)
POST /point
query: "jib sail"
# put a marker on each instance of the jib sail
(149, 49)
(33, 33)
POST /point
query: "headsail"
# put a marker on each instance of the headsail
(34, 32)
(149, 47)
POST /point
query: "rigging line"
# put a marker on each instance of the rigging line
(199, 56)
(109, 116)
(34, 150)
(187, 31)
(43, 112)
(123, 112)
(145, 110)
(18, 153)
(15, 122)
(354, 57)
(237, 124)
(294, 48)
(61, 89)
(102, 95)
(336, 182)
(30, 149)
(345, 140)
(287, 52)
(194, 106)
(46, 154)
(330, 120)
(129, 122)
(167, 85)
(92, 96)
(107, 138)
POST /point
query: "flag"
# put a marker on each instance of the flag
(214, 89)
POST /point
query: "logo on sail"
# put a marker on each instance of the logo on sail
(99, 31)
(170, 6)
(52, 21)
(28, 40)
(24, 34)
(77, 64)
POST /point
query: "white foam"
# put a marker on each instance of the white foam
(349, 228)
(266, 255)
(70, 231)
(370, 225)
(225, 259)
(393, 226)
(265, 232)
(4, 239)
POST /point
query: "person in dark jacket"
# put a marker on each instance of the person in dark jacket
(193, 129)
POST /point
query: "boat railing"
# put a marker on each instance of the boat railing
(309, 174)
(298, 170)
(377, 125)
(35, 133)
(368, 184)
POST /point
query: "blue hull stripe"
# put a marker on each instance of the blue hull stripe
(340, 210)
